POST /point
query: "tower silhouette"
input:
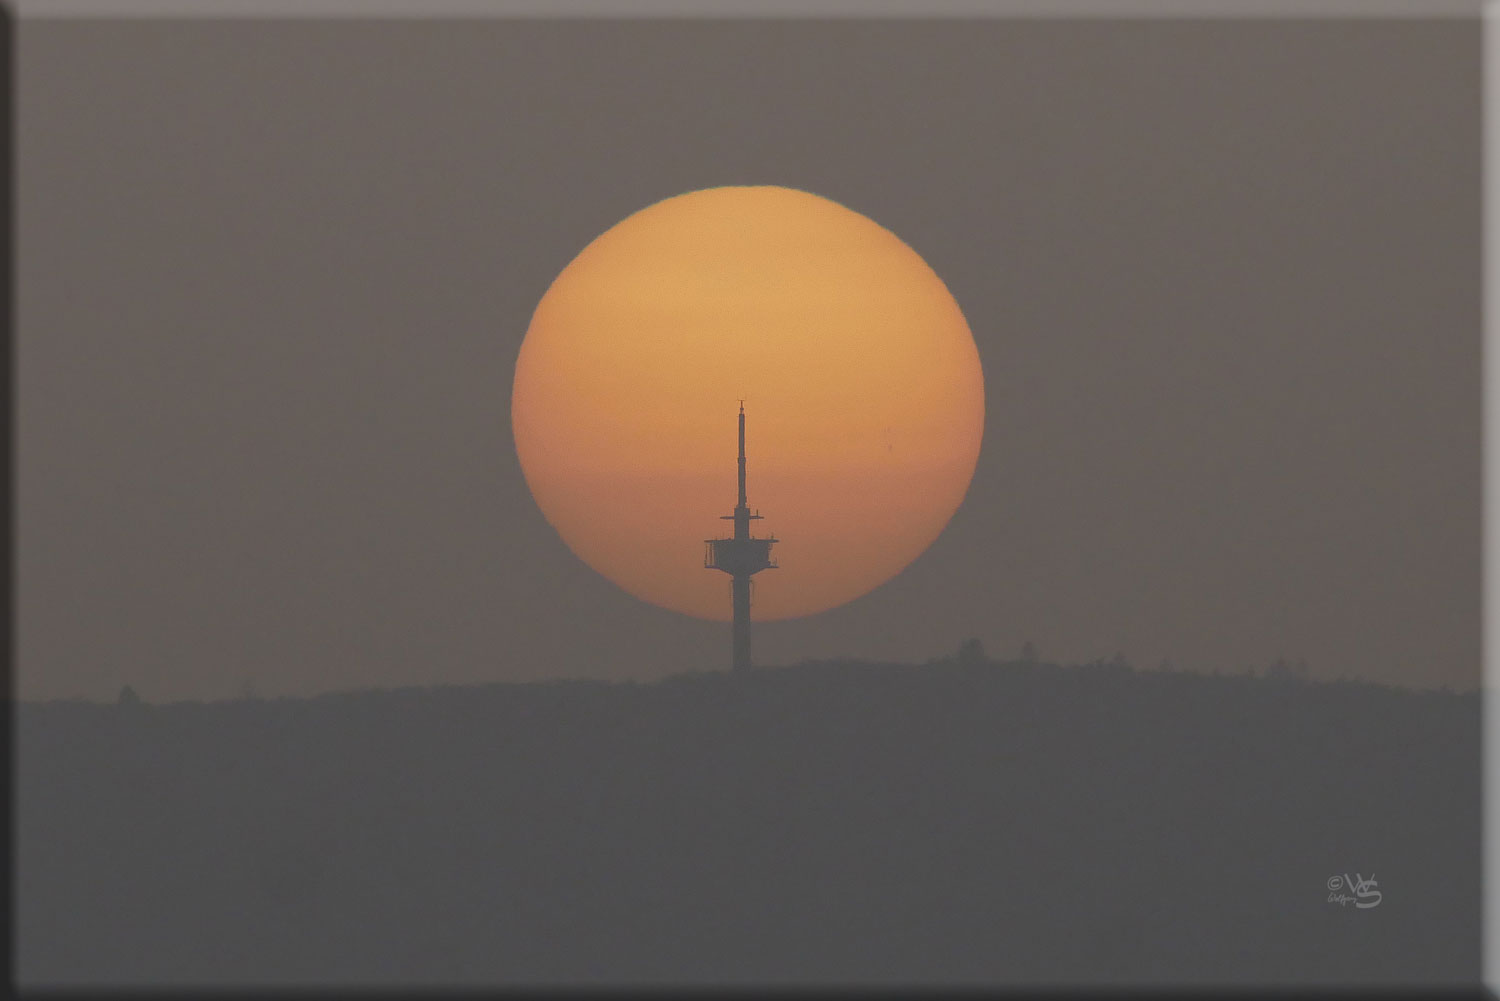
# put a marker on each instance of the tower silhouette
(740, 557)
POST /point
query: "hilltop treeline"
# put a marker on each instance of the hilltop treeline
(965, 821)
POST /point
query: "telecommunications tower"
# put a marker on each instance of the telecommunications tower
(740, 556)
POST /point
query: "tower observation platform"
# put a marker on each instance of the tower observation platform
(741, 556)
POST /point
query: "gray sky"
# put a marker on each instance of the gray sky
(1224, 279)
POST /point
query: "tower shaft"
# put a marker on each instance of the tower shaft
(741, 660)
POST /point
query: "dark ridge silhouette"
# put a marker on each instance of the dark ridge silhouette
(960, 822)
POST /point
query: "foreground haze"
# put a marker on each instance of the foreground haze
(963, 821)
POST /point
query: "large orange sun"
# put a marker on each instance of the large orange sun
(864, 399)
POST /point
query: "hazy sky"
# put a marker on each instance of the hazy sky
(273, 278)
